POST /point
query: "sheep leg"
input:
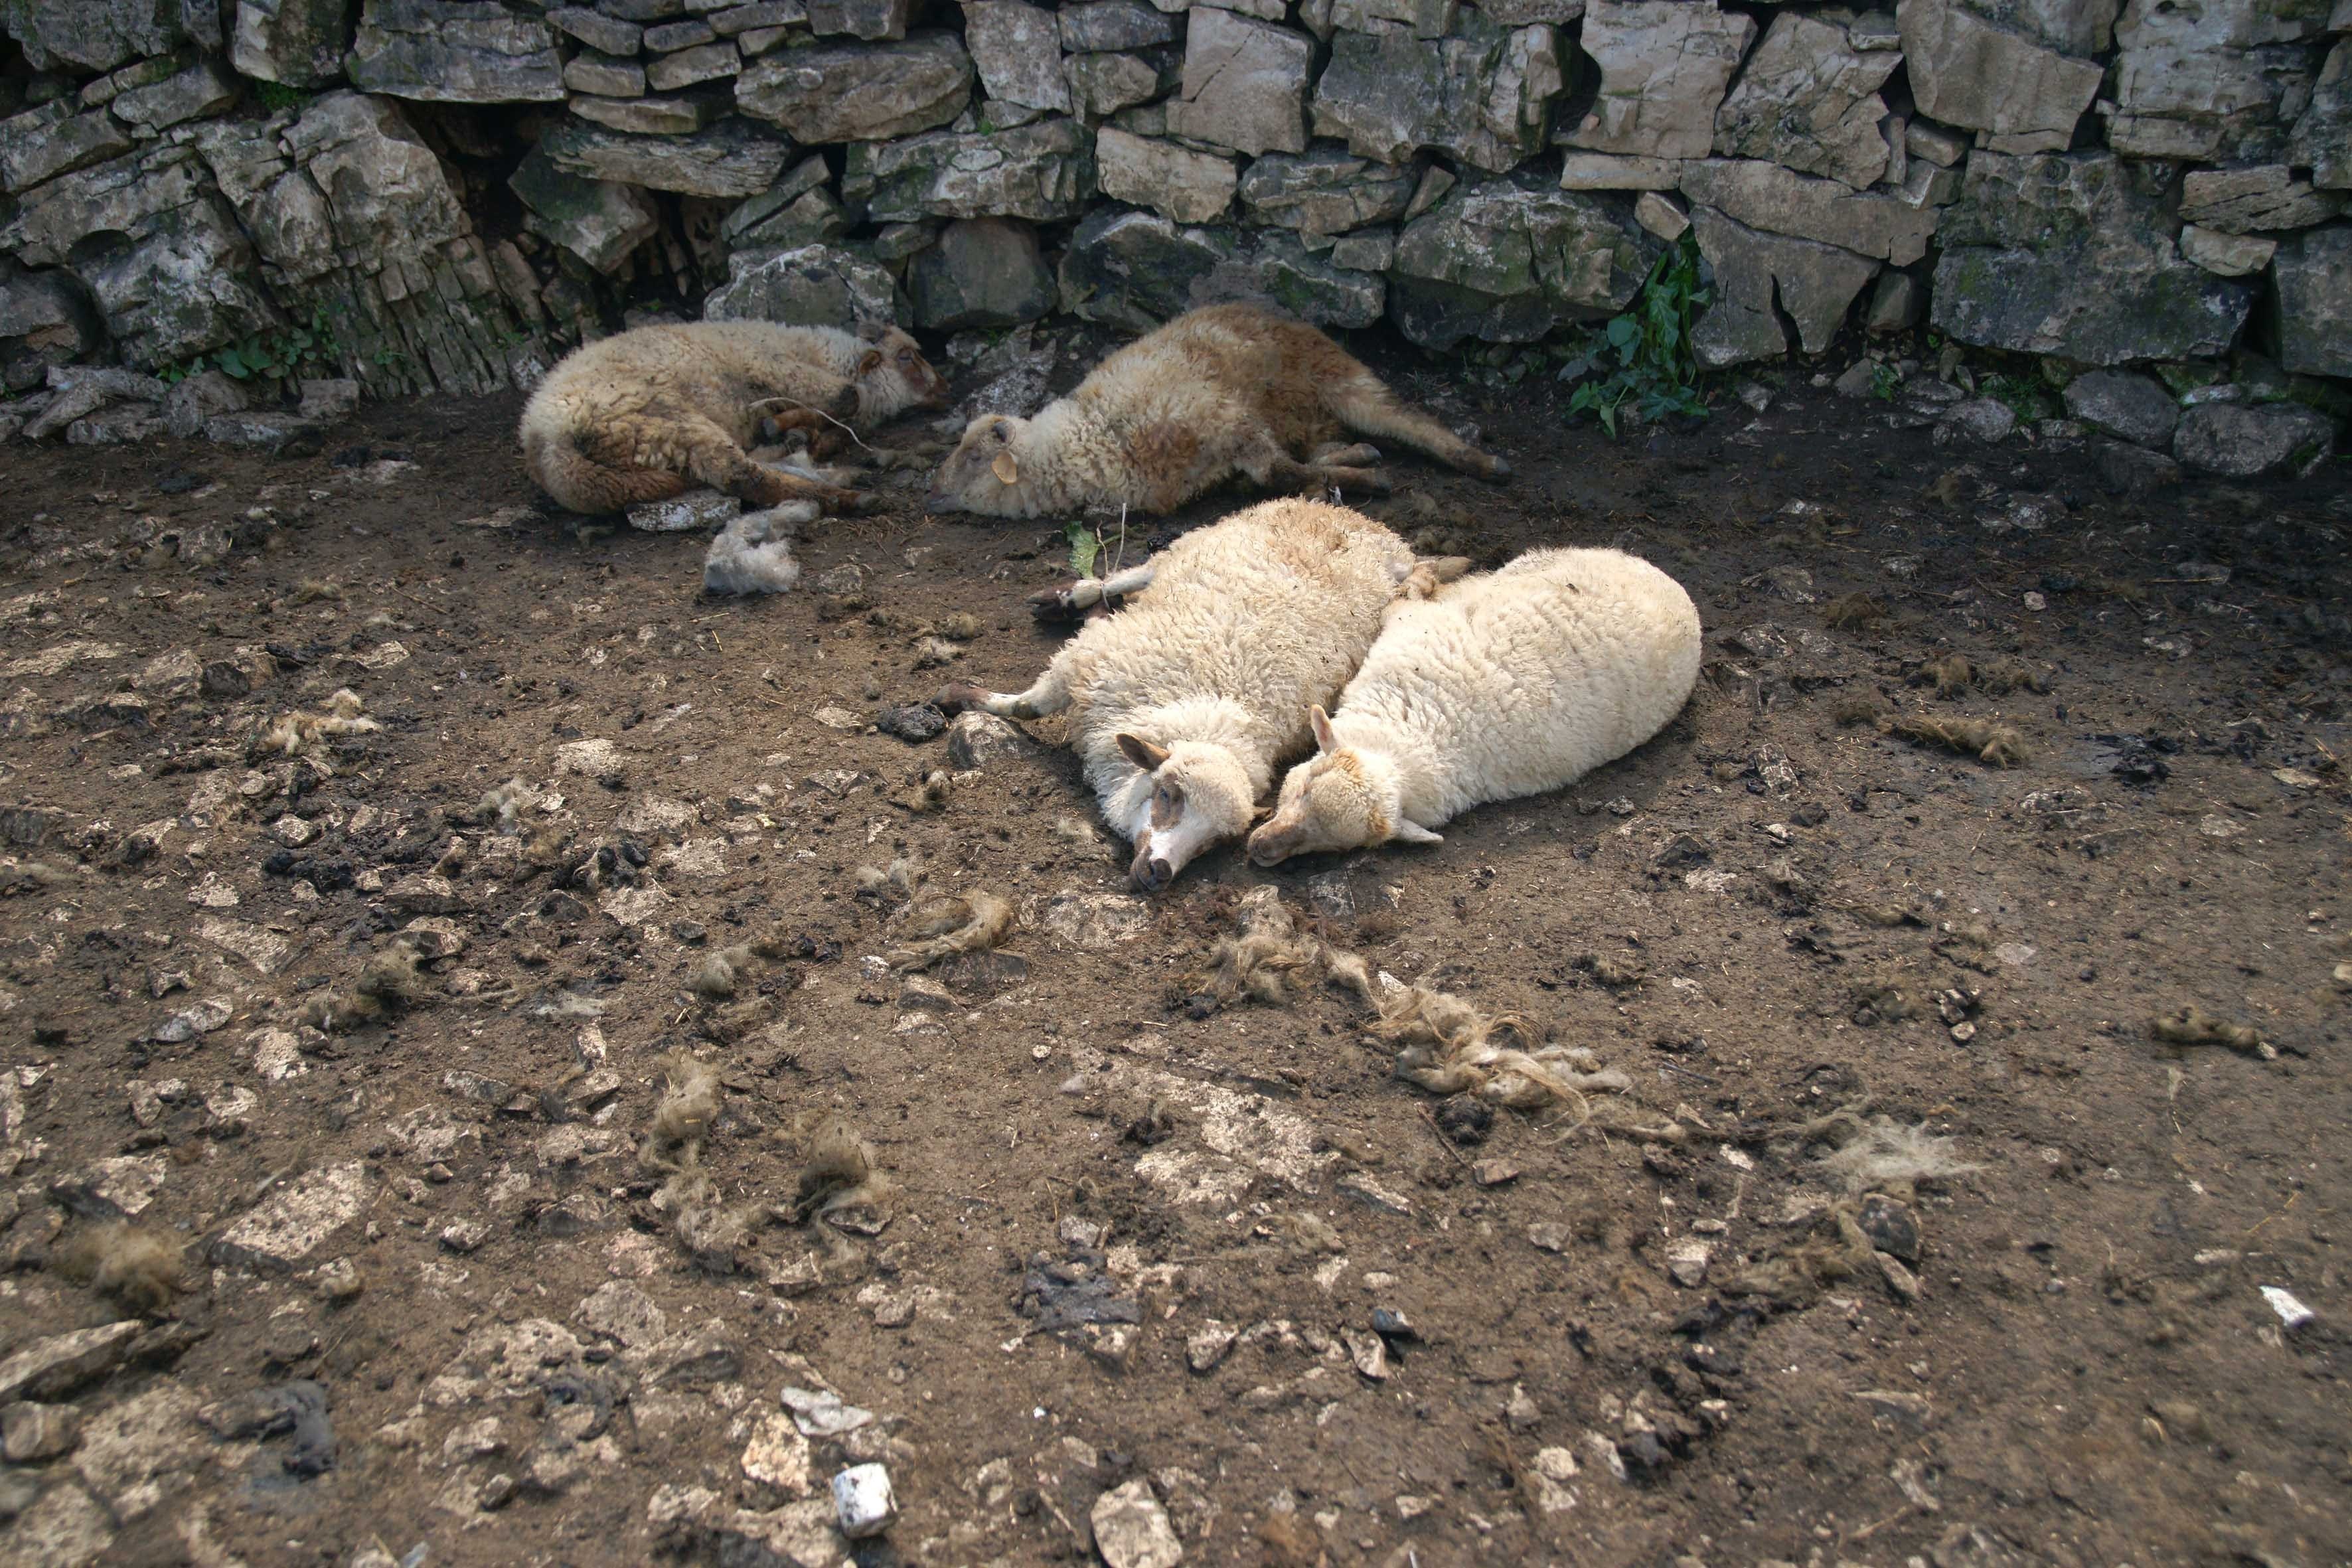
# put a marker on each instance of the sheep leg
(1430, 571)
(713, 458)
(1066, 603)
(1361, 403)
(1370, 480)
(1051, 694)
(1270, 467)
(1363, 454)
(586, 474)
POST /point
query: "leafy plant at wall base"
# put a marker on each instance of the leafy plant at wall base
(1643, 358)
(1885, 381)
(1086, 545)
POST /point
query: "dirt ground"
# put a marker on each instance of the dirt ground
(1229, 1256)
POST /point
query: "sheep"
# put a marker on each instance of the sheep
(647, 414)
(1505, 684)
(1184, 701)
(1230, 388)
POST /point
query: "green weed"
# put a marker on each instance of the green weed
(1643, 358)
(297, 351)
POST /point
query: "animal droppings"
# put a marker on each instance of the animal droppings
(137, 1264)
(945, 926)
(1995, 745)
(2192, 1025)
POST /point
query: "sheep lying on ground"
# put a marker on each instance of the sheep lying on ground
(1224, 389)
(649, 414)
(1182, 703)
(1501, 685)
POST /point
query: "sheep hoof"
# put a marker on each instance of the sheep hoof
(1072, 602)
(858, 503)
(1497, 469)
(956, 695)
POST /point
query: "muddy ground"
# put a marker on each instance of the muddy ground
(1324, 1328)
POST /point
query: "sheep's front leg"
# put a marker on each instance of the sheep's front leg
(1267, 465)
(713, 458)
(1051, 694)
(1074, 601)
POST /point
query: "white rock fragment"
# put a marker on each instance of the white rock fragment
(862, 1504)
(280, 1233)
(2292, 1313)
(697, 511)
(1132, 1530)
(778, 1456)
(823, 1415)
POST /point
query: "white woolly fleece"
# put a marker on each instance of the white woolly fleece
(1513, 682)
(1246, 624)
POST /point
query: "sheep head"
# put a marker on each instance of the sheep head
(1339, 798)
(893, 376)
(1199, 794)
(984, 475)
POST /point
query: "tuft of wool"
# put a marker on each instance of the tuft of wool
(681, 1120)
(842, 1181)
(719, 975)
(1268, 958)
(299, 732)
(753, 553)
(943, 927)
(1884, 1156)
(391, 979)
(137, 1264)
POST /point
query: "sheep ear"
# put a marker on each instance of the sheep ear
(870, 362)
(870, 331)
(1142, 753)
(1322, 723)
(1261, 814)
(1411, 832)
(1005, 468)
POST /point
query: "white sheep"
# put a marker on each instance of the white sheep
(1184, 703)
(1505, 684)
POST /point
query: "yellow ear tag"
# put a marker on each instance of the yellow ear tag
(1005, 468)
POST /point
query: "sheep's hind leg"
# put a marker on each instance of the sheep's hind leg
(1051, 694)
(1362, 402)
(1363, 454)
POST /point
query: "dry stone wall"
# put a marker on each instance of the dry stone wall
(457, 190)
